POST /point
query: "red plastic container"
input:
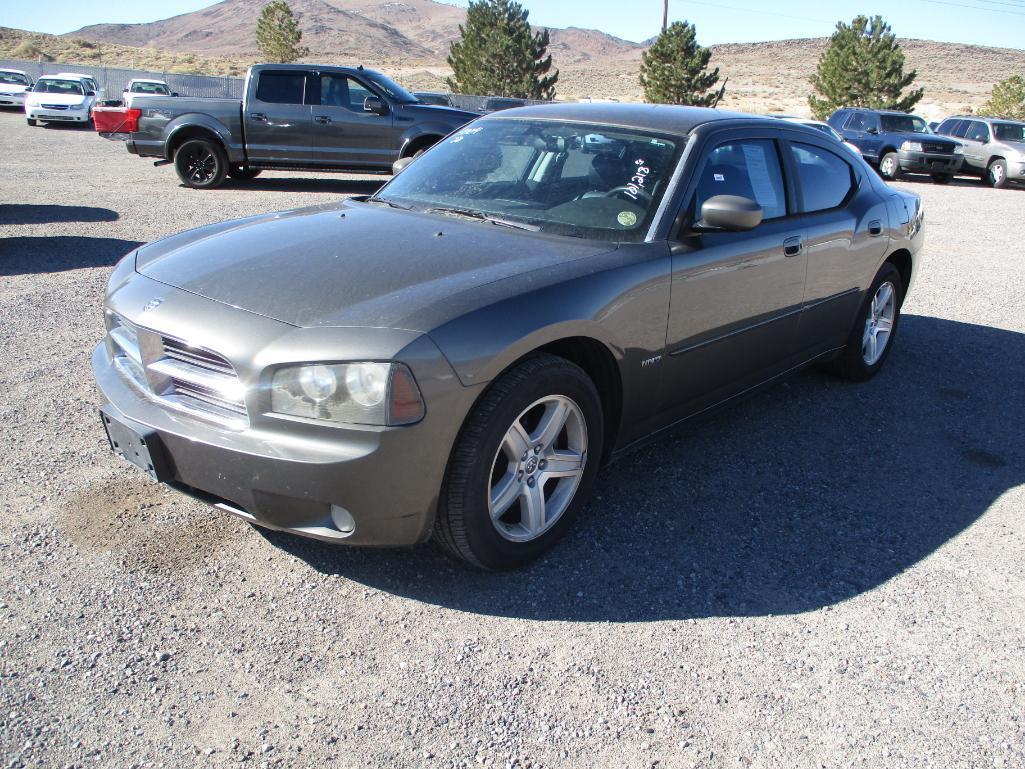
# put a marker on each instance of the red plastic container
(116, 120)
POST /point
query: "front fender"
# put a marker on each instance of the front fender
(190, 120)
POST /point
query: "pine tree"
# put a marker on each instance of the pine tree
(674, 69)
(1007, 99)
(498, 54)
(278, 35)
(863, 67)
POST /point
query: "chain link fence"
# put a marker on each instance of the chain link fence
(114, 80)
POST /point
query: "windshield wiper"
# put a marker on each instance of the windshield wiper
(372, 199)
(483, 217)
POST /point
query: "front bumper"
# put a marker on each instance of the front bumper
(285, 474)
(57, 116)
(929, 163)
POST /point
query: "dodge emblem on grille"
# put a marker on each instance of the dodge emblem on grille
(152, 304)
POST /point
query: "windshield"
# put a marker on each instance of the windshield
(13, 78)
(66, 87)
(1009, 132)
(152, 88)
(826, 129)
(564, 178)
(390, 87)
(904, 124)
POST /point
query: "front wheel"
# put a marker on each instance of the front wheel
(996, 174)
(522, 466)
(875, 328)
(889, 166)
(201, 164)
(30, 121)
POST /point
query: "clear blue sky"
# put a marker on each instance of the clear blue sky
(985, 22)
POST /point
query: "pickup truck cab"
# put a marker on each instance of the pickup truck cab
(896, 142)
(993, 149)
(292, 117)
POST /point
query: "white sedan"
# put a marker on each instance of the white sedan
(141, 87)
(14, 83)
(59, 100)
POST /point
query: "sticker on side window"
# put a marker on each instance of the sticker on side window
(758, 172)
(638, 181)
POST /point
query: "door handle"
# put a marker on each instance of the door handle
(322, 119)
(875, 227)
(258, 116)
(792, 247)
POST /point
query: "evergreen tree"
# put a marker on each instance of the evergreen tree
(278, 35)
(674, 69)
(862, 67)
(498, 54)
(1007, 99)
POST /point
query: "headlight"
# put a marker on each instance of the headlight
(958, 149)
(911, 147)
(350, 393)
(76, 106)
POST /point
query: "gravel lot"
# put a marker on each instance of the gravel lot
(827, 575)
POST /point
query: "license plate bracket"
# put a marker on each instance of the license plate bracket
(141, 447)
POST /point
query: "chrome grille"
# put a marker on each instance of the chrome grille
(937, 147)
(54, 106)
(177, 374)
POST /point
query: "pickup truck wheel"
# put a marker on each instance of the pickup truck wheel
(874, 330)
(889, 166)
(201, 164)
(941, 178)
(996, 174)
(243, 173)
(522, 466)
(30, 121)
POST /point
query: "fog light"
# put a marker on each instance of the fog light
(343, 519)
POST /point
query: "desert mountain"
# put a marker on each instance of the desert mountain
(416, 30)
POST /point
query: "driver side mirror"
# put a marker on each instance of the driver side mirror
(90, 93)
(174, 93)
(873, 130)
(730, 213)
(375, 105)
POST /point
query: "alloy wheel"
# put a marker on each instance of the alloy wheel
(537, 468)
(879, 324)
(200, 165)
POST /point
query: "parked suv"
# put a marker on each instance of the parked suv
(895, 141)
(993, 149)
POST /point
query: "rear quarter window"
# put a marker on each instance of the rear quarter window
(281, 87)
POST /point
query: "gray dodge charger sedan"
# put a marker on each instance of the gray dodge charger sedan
(457, 356)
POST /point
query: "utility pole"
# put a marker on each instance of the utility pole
(665, 15)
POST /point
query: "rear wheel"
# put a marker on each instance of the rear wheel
(996, 174)
(941, 178)
(243, 172)
(871, 339)
(889, 166)
(201, 164)
(30, 121)
(522, 466)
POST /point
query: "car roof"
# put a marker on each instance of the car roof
(984, 119)
(72, 74)
(10, 69)
(146, 80)
(664, 118)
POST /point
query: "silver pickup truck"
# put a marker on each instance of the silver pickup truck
(292, 116)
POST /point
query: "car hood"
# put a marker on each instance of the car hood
(354, 264)
(442, 113)
(58, 98)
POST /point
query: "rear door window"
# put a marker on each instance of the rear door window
(281, 87)
(748, 168)
(826, 179)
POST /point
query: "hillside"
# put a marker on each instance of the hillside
(410, 39)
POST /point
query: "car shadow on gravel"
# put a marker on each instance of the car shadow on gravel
(808, 495)
(300, 184)
(30, 255)
(26, 213)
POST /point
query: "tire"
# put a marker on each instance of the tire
(855, 362)
(942, 178)
(201, 164)
(482, 464)
(889, 166)
(243, 173)
(30, 121)
(996, 174)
